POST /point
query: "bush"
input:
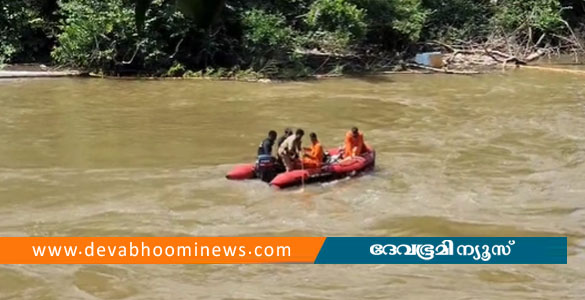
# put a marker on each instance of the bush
(409, 19)
(544, 15)
(338, 16)
(327, 41)
(176, 70)
(393, 23)
(96, 34)
(102, 35)
(458, 19)
(266, 36)
(7, 50)
(263, 29)
(25, 31)
(12, 19)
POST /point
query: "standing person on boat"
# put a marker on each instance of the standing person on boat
(313, 157)
(290, 149)
(265, 148)
(287, 132)
(354, 143)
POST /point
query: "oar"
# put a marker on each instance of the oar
(302, 176)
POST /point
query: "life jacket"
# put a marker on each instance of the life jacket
(317, 155)
(261, 147)
(353, 142)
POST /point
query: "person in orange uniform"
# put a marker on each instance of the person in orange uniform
(354, 143)
(313, 157)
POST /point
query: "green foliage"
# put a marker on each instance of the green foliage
(393, 23)
(266, 36)
(263, 29)
(7, 50)
(101, 36)
(11, 19)
(458, 19)
(203, 12)
(141, 7)
(25, 30)
(338, 16)
(409, 18)
(176, 70)
(544, 15)
(96, 34)
(222, 37)
(333, 42)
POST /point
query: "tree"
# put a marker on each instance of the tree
(203, 12)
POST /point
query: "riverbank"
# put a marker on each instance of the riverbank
(39, 74)
(453, 64)
(37, 71)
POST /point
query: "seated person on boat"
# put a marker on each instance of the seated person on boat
(354, 143)
(313, 157)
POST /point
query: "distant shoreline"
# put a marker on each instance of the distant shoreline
(34, 70)
(40, 74)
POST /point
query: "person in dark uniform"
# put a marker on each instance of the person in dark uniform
(265, 148)
(266, 165)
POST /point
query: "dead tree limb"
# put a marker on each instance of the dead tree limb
(446, 71)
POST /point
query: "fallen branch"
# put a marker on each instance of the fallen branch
(540, 40)
(315, 52)
(576, 40)
(446, 71)
(506, 58)
(448, 47)
(496, 55)
(535, 55)
(323, 64)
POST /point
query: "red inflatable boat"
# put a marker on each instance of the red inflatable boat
(327, 172)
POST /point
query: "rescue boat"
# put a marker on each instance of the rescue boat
(269, 171)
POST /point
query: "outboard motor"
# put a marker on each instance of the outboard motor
(266, 167)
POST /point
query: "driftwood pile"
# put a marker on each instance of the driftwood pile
(485, 55)
(518, 48)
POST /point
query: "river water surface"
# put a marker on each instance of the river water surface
(492, 155)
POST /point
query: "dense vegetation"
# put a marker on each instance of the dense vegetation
(270, 37)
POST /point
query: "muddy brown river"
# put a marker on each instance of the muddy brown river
(490, 155)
